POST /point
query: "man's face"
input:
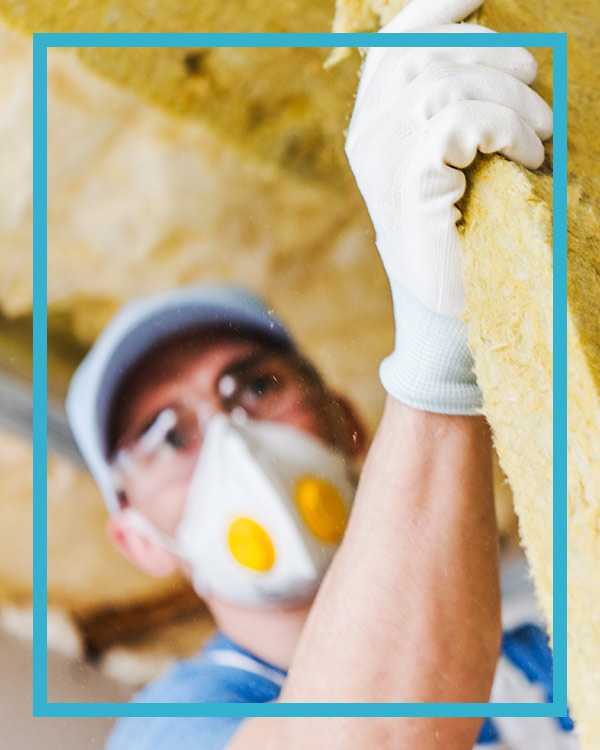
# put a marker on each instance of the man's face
(191, 380)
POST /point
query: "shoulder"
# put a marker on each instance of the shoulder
(212, 676)
(221, 672)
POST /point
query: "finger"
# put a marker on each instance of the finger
(456, 134)
(421, 15)
(405, 63)
(440, 86)
(418, 14)
(437, 88)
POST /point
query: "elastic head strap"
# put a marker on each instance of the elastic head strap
(145, 527)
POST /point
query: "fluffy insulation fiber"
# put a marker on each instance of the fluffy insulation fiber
(508, 272)
(150, 187)
(168, 167)
(508, 213)
(144, 198)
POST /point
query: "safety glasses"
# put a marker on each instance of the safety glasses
(267, 385)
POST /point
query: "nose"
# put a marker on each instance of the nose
(205, 410)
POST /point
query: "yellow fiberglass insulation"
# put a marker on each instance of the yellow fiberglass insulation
(242, 172)
(508, 273)
(143, 198)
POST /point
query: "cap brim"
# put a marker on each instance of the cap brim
(139, 327)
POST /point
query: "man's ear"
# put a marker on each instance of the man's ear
(351, 431)
(142, 552)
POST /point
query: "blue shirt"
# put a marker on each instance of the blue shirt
(225, 672)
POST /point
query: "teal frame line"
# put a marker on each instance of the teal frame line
(41, 706)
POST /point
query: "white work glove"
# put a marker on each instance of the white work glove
(420, 112)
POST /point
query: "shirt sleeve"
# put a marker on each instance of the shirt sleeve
(170, 733)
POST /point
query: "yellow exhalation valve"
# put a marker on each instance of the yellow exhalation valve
(321, 507)
(250, 545)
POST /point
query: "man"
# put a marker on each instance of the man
(222, 453)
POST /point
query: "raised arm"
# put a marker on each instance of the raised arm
(409, 610)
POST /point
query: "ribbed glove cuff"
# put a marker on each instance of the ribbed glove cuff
(431, 367)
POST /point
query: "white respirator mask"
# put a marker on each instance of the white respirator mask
(266, 510)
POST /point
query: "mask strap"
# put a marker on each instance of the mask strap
(145, 527)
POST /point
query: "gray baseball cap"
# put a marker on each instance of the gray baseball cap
(139, 326)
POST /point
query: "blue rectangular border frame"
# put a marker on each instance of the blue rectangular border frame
(41, 43)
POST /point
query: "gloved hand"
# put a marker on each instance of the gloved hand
(420, 117)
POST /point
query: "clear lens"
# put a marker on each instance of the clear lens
(267, 387)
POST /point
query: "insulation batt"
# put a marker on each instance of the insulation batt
(147, 194)
(507, 233)
(329, 286)
(198, 210)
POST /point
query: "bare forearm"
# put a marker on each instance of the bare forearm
(410, 608)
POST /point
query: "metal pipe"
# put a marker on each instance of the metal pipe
(16, 412)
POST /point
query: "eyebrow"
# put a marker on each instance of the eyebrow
(245, 363)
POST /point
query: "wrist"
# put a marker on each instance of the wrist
(431, 367)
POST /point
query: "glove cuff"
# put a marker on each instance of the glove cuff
(431, 367)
